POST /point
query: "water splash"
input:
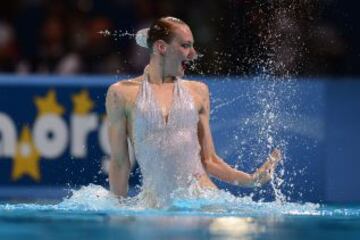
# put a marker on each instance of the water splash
(272, 85)
(117, 34)
(278, 56)
(93, 201)
(95, 198)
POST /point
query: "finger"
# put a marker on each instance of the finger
(268, 177)
(276, 153)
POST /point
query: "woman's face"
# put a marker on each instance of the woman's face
(180, 51)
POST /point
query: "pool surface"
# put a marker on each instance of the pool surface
(95, 215)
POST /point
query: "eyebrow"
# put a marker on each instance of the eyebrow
(189, 42)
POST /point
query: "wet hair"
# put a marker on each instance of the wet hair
(162, 29)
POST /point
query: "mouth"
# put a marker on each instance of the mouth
(185, 64)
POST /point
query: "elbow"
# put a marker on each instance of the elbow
(120, 163)
(209, 164)
(206, 166)
(116, 168)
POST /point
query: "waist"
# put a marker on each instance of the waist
(163, 194)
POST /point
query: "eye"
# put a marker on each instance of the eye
(186, 45)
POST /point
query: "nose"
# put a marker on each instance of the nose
(193, 55)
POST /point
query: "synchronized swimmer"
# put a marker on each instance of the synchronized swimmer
(163, 120)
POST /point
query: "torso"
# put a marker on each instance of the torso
(164, 94)
(185, 154)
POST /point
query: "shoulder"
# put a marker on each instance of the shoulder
(119, 93)
(123, 88)
(200, 93)
(198, 87)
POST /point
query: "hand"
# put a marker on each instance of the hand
(265, 172)
(275, 156)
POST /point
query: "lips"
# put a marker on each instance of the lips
(185, 64)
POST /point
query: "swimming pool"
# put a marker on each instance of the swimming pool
(95, 215)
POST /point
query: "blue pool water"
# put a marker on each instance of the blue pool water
(92, 213)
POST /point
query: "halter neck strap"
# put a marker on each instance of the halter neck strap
(146, 75)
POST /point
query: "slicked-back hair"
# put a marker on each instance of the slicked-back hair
(163, 29)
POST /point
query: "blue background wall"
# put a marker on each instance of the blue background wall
(315, 122)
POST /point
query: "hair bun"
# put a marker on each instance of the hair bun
(141, 37)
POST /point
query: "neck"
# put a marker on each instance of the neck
(156, 72)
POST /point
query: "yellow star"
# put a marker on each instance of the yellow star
(82, 103)
(48, 104)
(26, 158)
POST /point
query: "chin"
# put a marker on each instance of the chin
(180, 73)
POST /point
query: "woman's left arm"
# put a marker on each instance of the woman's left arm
(216, 166)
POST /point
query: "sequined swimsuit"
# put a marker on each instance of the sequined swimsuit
(168, 152)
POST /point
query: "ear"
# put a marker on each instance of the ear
(161, 46)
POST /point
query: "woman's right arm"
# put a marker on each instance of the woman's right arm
(119, 167)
